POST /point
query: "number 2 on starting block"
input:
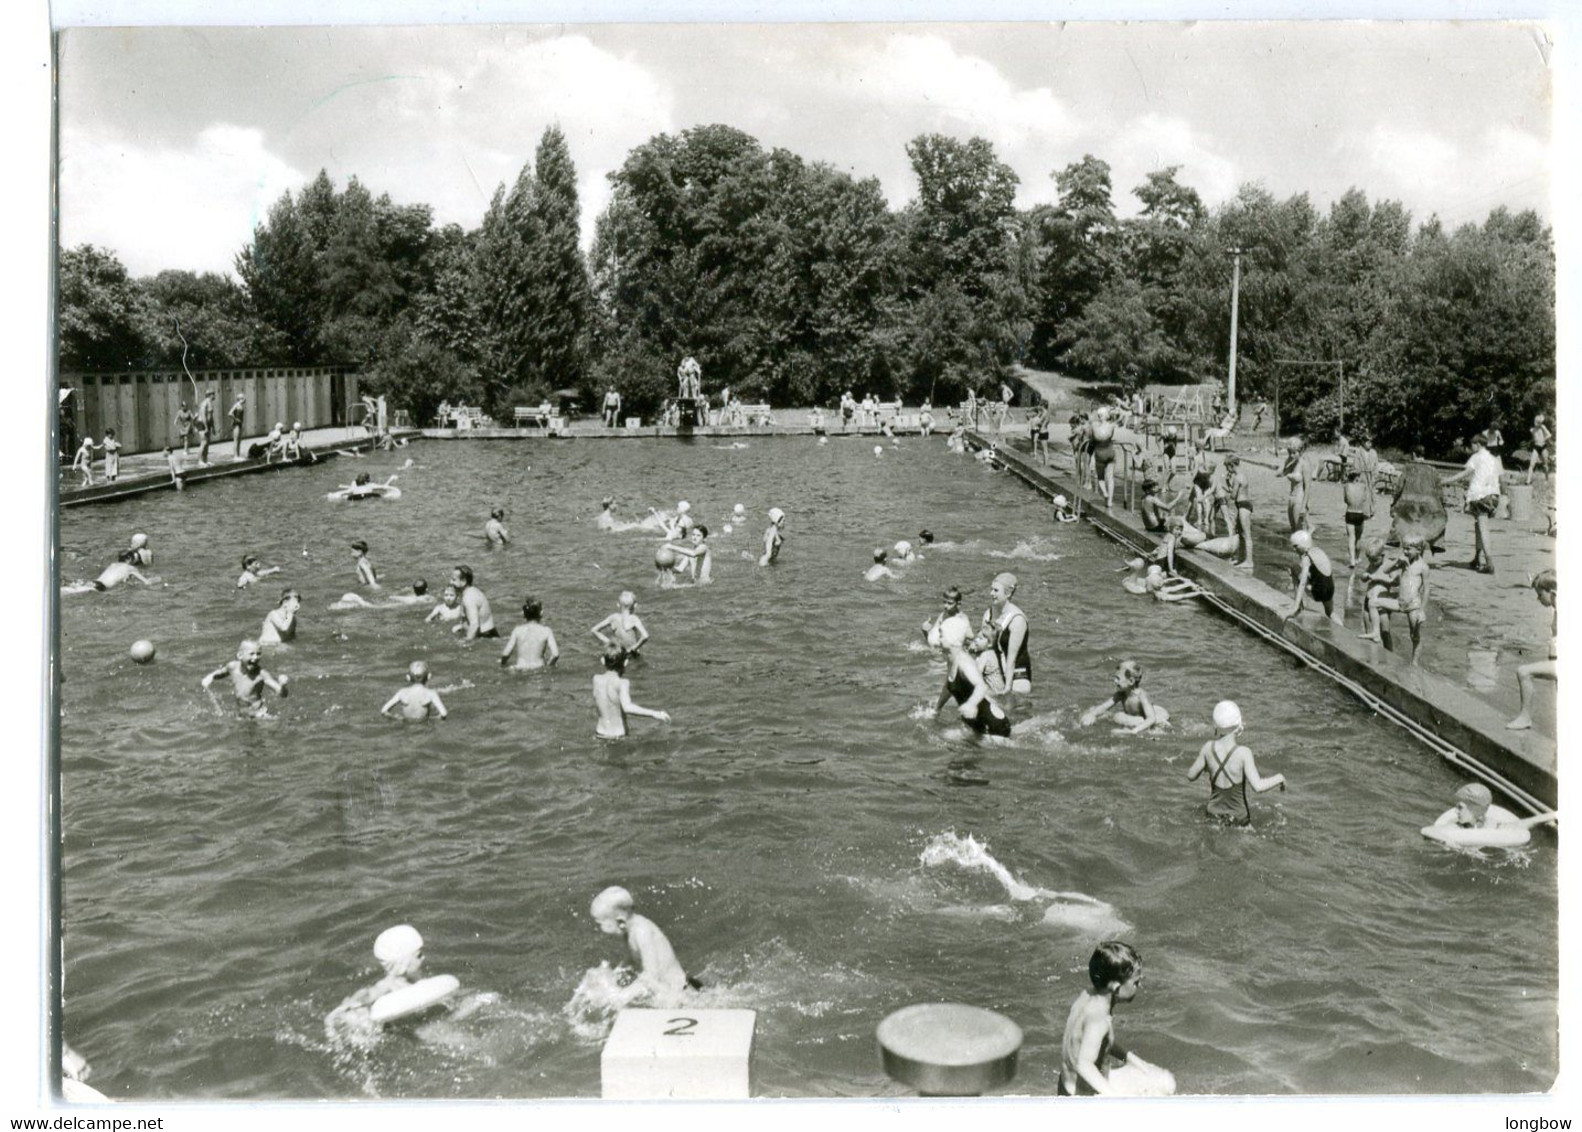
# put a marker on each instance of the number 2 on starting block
(680, 1054)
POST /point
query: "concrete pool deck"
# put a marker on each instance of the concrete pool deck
(1463, 728)
(146, 471)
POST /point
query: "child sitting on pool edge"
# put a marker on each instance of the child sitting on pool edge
(659, 972)
(1128, 706)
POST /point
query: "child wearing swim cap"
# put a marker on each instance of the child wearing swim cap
(658, 972)
(773, 536)
(879, 570)
(1315, 576)
(1064, 513)
(417, 700)
(1475, 809)
(1231, 769)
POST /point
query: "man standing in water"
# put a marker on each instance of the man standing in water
(773, 536)
(474, 605)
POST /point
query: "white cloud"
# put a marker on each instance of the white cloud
(1431, 174)
(922, 79)
(1154, 141)
(166, 206)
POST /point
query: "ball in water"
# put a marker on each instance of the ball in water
(727, 528)
(142, 651)
(878, 450)
(664, 558)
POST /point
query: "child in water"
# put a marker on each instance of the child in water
(417, 699)
(253, 570)
(249, 678)
(1231, 769)
(612, 695)
(659, 974)
(879, 570)
(1475, 809)
(627, 628)
(1128, 706)
(494, 530)
(400, 952)
(532, 642)
(447, 609)
(1064, 512)
(1088, 1050)
(281, 623)
(366, 574)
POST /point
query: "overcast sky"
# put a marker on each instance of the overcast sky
(174, 142)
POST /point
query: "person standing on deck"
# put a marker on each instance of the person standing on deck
(1482, 477)
(238, 413)
(612, 408)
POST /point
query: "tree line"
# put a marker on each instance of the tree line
(793, 281)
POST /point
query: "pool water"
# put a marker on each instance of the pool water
(816, 846)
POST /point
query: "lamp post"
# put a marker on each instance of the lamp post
(1235, 301)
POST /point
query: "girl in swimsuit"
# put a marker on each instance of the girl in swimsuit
(1315, 574)
(1295, 470)
(1003, 640)
(1231, 769)
(965, 684)
(1129, 706)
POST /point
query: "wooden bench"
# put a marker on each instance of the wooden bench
(756, 414)
(530, 415)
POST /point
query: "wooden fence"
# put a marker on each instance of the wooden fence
(142, 406)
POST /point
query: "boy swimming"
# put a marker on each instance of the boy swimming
(281, 623)
(612, 695)
(111, 576)
(417, 700)
(494, 530)
(532, 642)
(249, 679)
(659, 972)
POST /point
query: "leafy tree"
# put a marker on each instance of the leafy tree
(102, 313)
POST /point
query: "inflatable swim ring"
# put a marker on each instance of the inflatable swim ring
(410, 1000)
(1139, 1078)
(1474, 837)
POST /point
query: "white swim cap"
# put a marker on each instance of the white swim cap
(953, 632)
(1227, 715)
(738, 510)
(683, 507)
(878, 450)
(1155, 571)
(1061, 501)
(296, 424)
(139, 541)
(903, 548)
(775, 514)
(1301, 540)
(397, 943)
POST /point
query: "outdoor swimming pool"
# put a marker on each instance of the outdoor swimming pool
(799, 830)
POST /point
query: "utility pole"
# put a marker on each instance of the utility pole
(1235, 299)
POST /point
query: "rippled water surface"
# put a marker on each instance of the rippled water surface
(815, 846)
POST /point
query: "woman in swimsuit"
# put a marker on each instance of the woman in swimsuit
(965, 683)
(1104, 453)
(1295, 470)
(1003, 640)
(1315, 575)
(1231, 769)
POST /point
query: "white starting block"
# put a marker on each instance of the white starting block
(634, 422)
(698, 1055)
